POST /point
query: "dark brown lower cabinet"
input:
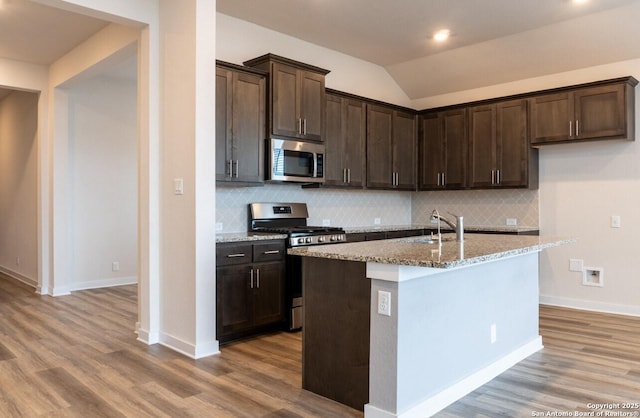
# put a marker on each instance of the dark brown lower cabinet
(250, 280)
(335, 342)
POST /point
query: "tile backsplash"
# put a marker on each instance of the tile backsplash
(344, 208)
(355, 208)
(479, 207)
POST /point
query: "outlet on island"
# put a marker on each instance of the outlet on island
(384, 303)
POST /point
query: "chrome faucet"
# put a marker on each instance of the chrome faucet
(458, 226)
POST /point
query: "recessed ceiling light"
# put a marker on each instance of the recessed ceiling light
(441, 35)
(580, 1)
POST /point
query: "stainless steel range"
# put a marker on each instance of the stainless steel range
(291, 219)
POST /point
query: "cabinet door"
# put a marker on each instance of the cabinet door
(512, 145)
(248, 127)
(455, 148)
(379, 147)
(431, 163)
(268, 304)
(285, 105)
(600, 112)
(311, 104)
(224, 100)
(482, 146)
(334, 169)
(404, 150)
(355, 136)
(233, 299)
(551, 118)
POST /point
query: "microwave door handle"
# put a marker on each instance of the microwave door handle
(315, 165)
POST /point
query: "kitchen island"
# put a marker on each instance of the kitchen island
(459, 314)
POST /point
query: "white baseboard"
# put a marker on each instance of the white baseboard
(590, 305)
(441, 400)
(100, 283)
(188, 349)
(19, 277)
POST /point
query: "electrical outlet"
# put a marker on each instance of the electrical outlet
(18, 261)
(615, 221)
(384, 303)
(512, 222)
(115, 266)
(326, 222)
(376, 221)
(494, 333)
(219, 226)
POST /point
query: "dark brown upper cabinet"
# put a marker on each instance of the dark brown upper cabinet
(240, 125)
(499, 152)
(597, 111)
(296, 104)
(443, 150)
(344, 140)
(391, 148)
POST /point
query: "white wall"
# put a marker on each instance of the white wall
(104, 178)
(581, 186)
(238, 41)
(109, 46)
(187, 59)
(18, 186)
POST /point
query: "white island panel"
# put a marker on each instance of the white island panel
(436, 346)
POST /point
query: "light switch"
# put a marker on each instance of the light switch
(178, 186)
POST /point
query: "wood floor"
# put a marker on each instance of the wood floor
(76, 356)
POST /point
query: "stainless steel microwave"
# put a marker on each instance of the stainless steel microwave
(295, 161)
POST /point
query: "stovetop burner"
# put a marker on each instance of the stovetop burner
(291, 219)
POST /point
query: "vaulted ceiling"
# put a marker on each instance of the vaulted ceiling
(492, 41)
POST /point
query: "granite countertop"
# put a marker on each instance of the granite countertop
(247, 236)
(416, 251)
(444, 227)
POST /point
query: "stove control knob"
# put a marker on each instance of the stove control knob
(300, 240)
(321, 239)
(340, 238)
(308, 240)
(333, 238)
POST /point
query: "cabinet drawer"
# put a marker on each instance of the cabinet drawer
(227, 255)
(272, 251)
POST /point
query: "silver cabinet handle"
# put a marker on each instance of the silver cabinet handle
(438, 181)
(349, 175)
(235, 255)
(300, 126)
(577, 128)
(252, 278)
(304, 126)
(271, 252)
(344, 175)
(497, 176)
(258, 278)
(237, 168)
(493, 177)
(570, 129)
(230, 168)
(444, 180)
